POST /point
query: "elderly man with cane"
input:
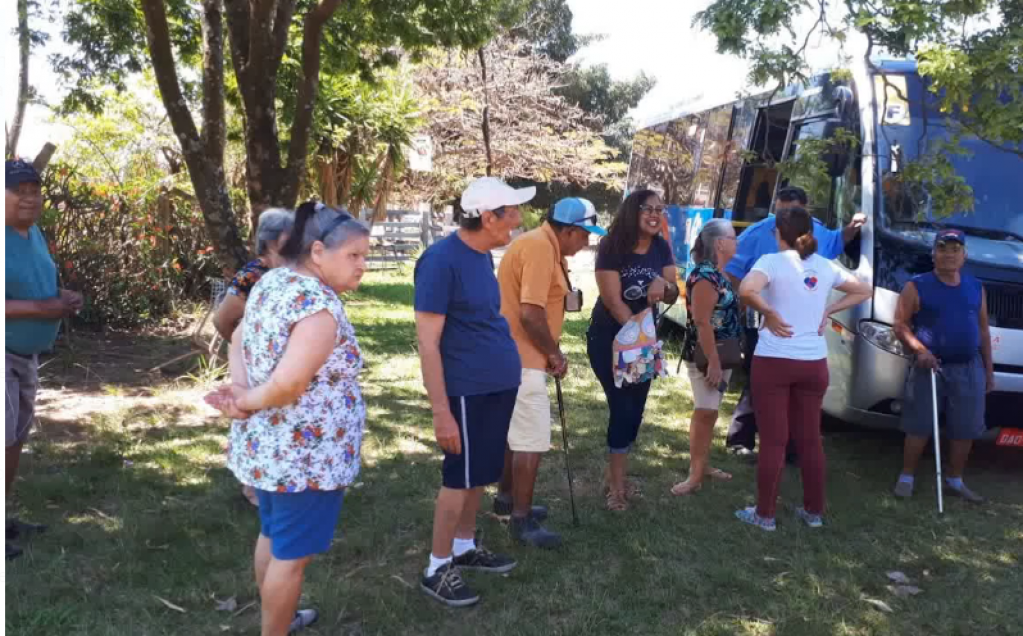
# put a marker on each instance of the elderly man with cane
(942, 321)
(535, 294)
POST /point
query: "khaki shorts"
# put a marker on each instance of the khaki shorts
(705, 397)
(22, 380)
(530, 430)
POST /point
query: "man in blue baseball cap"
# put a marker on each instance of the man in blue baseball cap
(535, 294)
(33, 309)
(942, 321)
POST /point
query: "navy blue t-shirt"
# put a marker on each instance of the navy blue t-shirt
(476, 347)
(636, 271)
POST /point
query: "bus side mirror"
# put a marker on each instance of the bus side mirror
(836, 158)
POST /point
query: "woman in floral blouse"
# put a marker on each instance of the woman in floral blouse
(298, 409)
(712, 315)
(274, 227)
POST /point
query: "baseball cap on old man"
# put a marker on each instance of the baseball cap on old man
(491, 193)
(578, 212)
(17, 172)
(950, 235)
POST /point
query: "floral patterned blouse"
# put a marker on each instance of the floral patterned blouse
(316, 442)
(725, 318)
(245, 279)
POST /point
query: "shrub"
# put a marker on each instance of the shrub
(132, 251)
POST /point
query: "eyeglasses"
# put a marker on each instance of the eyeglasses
(652, 209)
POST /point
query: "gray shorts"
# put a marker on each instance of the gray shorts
(22, 379)
(961, 397)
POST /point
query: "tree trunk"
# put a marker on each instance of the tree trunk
(14, 133)
(205, 166)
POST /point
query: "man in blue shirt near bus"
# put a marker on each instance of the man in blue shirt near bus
(942, 321)
(33, 309)
(756, 241)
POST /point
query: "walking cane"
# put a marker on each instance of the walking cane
(937, 439)
(564, 437)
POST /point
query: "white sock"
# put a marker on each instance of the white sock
(436, 564)
(906, 478)
(461, 546)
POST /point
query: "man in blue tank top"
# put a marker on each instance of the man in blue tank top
(942, 320)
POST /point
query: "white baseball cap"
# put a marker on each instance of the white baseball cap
(491, 193)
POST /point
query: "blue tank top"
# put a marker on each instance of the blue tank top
(948, 320)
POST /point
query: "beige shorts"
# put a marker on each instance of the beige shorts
(21, 375)
(705, 397)
(530, 430)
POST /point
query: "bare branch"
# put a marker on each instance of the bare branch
(24, 42)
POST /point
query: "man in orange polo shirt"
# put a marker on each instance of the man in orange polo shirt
(535, 293)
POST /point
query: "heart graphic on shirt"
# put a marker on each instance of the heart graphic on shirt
(810, 280)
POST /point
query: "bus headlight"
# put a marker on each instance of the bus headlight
(883, 336)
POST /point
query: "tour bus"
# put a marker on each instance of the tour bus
(723, 162)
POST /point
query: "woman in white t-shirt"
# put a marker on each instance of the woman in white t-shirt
(791, 290)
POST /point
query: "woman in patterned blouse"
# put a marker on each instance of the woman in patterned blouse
(712, 315)
(274, 226)
(298, 409)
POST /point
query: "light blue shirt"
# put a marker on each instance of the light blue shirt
(31, 275)
(758, 240)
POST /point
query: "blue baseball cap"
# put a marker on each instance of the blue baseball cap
(17, 172)
(950, 234)
(578, 212)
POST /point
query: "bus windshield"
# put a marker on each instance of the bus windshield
(909, 131)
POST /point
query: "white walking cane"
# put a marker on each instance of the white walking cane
(937, 439)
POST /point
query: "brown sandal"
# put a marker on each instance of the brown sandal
(684, 488)
(718, 475)
(616, 501)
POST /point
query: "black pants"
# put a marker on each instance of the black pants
(626, 404)
(743, 430)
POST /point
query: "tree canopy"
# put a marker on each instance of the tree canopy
(277, 50)
(969, 52)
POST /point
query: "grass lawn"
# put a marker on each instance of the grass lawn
(142, 511)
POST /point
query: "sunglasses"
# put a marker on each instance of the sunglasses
(652, 209)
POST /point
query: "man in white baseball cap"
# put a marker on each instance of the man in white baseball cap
(471, 371)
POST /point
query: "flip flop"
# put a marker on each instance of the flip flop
(684, 488)
(718, 475)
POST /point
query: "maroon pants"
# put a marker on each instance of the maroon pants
(787, 397)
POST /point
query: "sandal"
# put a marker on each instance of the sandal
(632, 489)
(718, 475)
(616, 501)
(684, 488)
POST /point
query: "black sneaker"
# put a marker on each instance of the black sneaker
(18, 529)
(747, 455)
(446, 585)
(13, 551)
(528, 531)
(485, 561)
(503, 508)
